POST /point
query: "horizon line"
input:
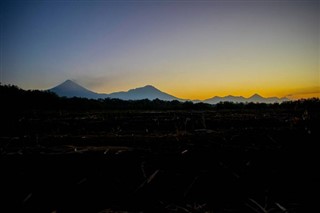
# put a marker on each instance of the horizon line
(302, 95)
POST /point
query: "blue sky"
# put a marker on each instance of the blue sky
(191, 49)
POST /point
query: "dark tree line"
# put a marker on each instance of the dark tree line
(14, 98)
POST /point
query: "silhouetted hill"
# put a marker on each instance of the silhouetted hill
(229, 98)
(14, 99)
(256, 98)
(72, 89)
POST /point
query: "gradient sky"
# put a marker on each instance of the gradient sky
(190, 49)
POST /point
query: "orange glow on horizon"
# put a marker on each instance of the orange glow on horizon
(203, 93)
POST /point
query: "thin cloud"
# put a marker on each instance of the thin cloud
(305, 93)
(312, 90)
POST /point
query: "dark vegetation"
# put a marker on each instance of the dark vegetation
(21, 99)
(13, 97)
(79, 155)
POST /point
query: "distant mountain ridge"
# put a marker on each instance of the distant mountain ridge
(71, 89)
(240, 99)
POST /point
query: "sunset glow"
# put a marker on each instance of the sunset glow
(190, 49)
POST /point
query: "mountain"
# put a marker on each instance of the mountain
(256, 98)
(146, 92)
(71, 89)
(229, 98)
(259, 99)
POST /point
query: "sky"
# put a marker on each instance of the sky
(189, 49)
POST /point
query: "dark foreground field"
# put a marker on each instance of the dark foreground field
(160, 161)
